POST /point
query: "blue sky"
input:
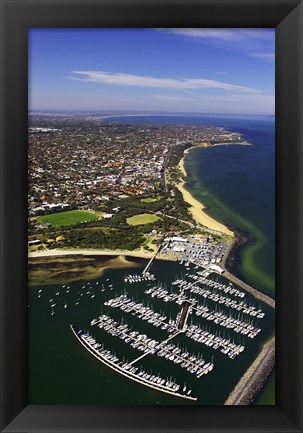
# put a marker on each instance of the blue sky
(172, 70)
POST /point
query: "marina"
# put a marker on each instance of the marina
(188, 324)
(149, 346)
(156, 382)
(163, 329)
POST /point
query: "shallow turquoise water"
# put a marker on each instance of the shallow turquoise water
(237, 185)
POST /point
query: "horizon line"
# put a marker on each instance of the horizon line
(124, 112)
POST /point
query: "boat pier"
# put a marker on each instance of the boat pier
(152, 350)
(184, 316)
(147, 267)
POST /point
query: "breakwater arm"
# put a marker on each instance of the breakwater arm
(256, 293)
(254, 378)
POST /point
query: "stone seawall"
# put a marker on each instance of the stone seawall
(256, 293)
(254, 378)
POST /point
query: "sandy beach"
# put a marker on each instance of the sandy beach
(90, 252)
(197, 207)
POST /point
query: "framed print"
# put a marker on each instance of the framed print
(151, 158)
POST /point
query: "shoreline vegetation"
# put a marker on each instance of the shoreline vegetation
(197, 207)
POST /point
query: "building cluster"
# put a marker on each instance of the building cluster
(200, 250)
(76, 165)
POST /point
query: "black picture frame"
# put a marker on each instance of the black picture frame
(16, 18)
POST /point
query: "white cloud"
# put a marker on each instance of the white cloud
(245, 40)
(225, 35)
(170, 98)
(121, 79)
(268, 57)
(261, 103)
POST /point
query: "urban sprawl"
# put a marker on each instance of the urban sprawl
(90, 162)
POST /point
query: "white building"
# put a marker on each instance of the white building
(216, 268)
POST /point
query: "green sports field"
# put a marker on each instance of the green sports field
(143, 218)
(149, 200)
(67, 218)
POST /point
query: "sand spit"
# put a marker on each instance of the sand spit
(63, 269)
(121, 254)
(91, 252)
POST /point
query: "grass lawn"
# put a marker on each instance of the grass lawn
(149, 200)
(143, 218)
(68, 218)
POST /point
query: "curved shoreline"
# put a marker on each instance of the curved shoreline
(197, 207)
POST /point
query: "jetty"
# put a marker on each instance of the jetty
(184, 316)
(152, 350)
(147, 267)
